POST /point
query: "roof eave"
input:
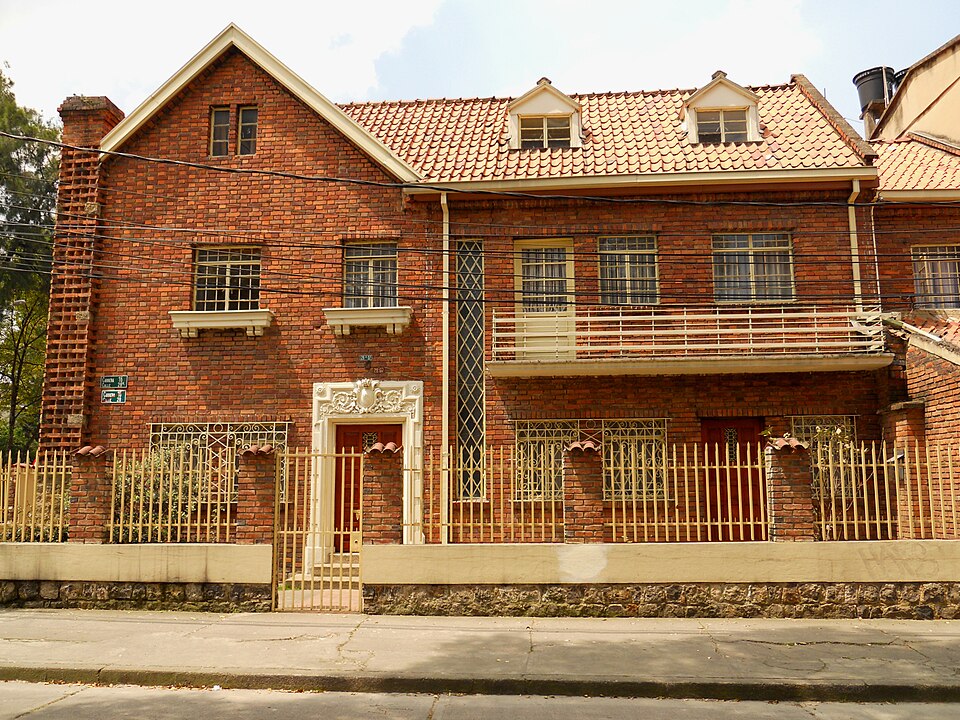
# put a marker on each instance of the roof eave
(918, 195)
(233, 36)
(865, 173)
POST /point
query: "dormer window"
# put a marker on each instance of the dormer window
(545, 132)
(722, 126)
(721, 112)
(543, 118)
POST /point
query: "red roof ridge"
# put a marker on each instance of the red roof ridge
(934, 142)
(839, 123)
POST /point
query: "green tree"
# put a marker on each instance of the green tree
(28, 175)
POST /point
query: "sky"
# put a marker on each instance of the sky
(407, 49)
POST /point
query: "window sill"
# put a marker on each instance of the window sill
(393, 319)
(191, 322)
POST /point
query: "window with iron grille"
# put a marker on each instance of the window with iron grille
(936, 274)
(470, 381)
(227, 278)
(832, 440)
(545, 131)
(247, 131)
(721, 126)
(628, 270)
(539, 457)
(370, 275)
(215, 443)
(219, 132)
(634, 459)
(752, 267)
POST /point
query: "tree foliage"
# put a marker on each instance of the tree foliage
(28, 174)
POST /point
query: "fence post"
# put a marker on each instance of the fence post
(382, 496)
(256, 495)
(90, 490)
(789, 492)
(582, 495)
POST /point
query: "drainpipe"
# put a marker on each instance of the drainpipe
(855, 245)
(445, 375)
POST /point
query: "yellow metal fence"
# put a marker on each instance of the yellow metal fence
(34, 492)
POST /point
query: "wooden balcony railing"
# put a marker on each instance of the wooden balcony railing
(594, 336)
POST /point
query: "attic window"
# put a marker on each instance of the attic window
(722, 126)
(545, 131)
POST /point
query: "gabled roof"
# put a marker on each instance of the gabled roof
(624, 134)
(719, 78)
(232, 36)
(544, 86)
(907, 80)
(918, 166)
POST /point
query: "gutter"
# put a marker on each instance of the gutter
(855, 245)
(445, 372)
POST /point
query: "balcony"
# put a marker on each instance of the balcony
(666, 340)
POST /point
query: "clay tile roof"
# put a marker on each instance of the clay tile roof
(943, 324)
(623, 133)
(915, 162)
(585, 446)
(379, 447)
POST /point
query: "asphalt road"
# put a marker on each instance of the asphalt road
(37, 701)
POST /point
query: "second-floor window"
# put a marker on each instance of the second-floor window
(936, 274)
(721, 126)
(227, 278)
(752, 267)
(545, 275)
(220, 132)
(247, 131)
(628, 270)
(370, 275)
(545, 131)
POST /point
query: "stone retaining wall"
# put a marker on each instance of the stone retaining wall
(208, 597)
(915, 601)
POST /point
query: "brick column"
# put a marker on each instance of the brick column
(382, 497)
(582, 496)
(67, 375)
(90, 488)
(256, 494)
(789, 494)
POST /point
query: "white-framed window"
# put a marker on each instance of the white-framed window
(226, 278)
(544, 272)
(247, 130)
(634, 459)
(723, 125)
(752, 267)
(219, 131)
(936, 274)
(370, 275)
(545, 131)
(628, 269)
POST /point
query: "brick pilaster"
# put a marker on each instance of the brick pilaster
(789, 494)
(382, 498)
(256, 494)
(582, 497)
(90, 488)
(67, 378)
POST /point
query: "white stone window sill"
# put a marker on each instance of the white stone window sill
(191, 322)
(394, 319)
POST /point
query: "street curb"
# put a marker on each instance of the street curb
(681, 689)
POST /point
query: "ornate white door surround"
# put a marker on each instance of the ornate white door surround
(368, 402)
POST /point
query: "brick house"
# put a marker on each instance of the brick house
(629, 272)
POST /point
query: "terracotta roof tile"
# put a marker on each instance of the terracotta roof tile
(623, 133)
(916, 163)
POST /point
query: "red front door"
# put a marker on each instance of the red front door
(352, 441)
(735, 493)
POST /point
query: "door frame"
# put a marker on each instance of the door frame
(367, 402)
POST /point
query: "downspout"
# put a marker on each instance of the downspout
(855, 245)
(876, 257)
(445, 376)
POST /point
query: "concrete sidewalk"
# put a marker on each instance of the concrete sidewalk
(846, 660)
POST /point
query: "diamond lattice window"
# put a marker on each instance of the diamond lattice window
(470, 389)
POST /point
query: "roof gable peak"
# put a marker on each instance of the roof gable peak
(233, 37)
